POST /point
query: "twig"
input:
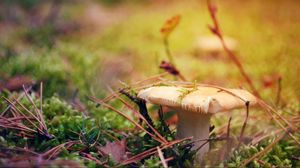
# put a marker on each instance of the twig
(278, 95)
(217, 31)
(245, 123)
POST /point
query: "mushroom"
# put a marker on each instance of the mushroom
(213, 46)
(195, 106)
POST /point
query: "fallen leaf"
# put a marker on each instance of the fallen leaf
(170, 25)
(116, 149)
(16, 82)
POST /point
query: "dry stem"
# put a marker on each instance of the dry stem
(217, 31)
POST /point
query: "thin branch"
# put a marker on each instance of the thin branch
(278, 95)
(217, 31)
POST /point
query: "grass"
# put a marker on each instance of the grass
(82, 63)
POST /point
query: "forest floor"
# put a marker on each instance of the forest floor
(79, 50)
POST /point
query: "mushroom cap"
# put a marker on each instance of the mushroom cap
(201, 99)
(213, 43)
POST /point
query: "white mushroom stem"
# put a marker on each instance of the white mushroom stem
(197, 126)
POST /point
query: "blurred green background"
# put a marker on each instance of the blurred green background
(81, 47)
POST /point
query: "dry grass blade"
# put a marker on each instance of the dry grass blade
(19, 98)
(125, 116)
(161, 156)
(20, 118)
(7, 123)
(20, 112)
(136, 84)
(266, 149)
(153, 79)
(91, 158)
(56, 150)
(272, 110)
(259, 138)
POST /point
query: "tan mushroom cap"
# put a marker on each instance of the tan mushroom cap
(213, 43)
(199, 100)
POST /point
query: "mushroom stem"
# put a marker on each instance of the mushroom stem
(197, 126)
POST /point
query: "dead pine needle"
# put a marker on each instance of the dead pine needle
(128, 118)
(266, 149)
(161, 156)
(143, 115)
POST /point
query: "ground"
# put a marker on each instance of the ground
(83, 49)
